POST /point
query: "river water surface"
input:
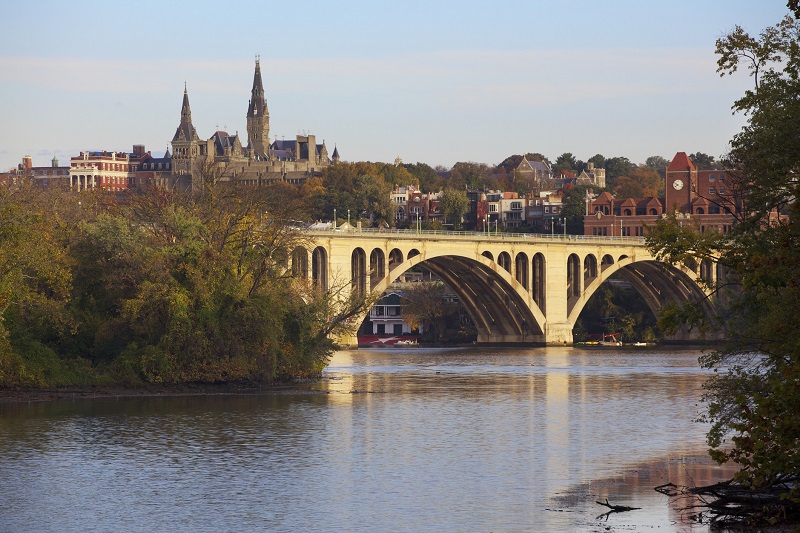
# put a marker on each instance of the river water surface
(396, 439)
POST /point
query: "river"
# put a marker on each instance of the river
(398, 439)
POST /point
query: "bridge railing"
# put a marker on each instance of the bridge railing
(474, 235)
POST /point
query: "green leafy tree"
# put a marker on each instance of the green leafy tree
(426, 304)
(470, 175)
(704, 161)
(454, 205)
(641, 182)
(615, 167)
(565, 161)
(575, 207)
(659, 164)
(598, 160)
(427, 179)
(754, 396)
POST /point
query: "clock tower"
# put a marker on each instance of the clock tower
(681, 186)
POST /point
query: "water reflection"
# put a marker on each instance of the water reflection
(389, 440)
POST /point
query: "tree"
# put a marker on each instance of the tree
(659, 164)
(755, 395)
(427, 179)
(575, 207)
(704, 161)
(454, 205)
(426, 304)
(598, 160)
(641, 182)
(361, 189)
(615, 167)
(470, 175)
(565, 161)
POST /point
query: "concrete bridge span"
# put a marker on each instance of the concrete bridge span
(517, 288)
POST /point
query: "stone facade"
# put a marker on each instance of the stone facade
(259, 161)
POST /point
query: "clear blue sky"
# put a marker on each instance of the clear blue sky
(431, 81)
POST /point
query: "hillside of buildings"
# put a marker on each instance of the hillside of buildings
(106, 319)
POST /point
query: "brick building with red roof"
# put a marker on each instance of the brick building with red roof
(700, 197)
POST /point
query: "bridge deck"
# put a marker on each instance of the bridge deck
(473, 236)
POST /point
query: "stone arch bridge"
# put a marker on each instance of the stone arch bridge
(517, 288)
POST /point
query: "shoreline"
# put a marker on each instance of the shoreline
(30, 395)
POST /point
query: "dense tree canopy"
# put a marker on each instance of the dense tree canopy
(615, 167)
(658, 163)
(565, 161)
(165, 288)
(641, 182)
(426, 177)
(755, 396)
(454, 206)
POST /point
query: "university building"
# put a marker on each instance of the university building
(255, 161)
(700, 197)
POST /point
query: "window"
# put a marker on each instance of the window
(722, 190)
(711, 177)
(712, 190)
(547, 209)
(627, 212)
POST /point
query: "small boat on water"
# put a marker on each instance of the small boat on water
(608, 339)
(410, 342)
(380, 341)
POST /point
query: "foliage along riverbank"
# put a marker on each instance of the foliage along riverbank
(163, 288)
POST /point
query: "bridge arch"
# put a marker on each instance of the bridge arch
(504, 260)
(539, 280)
(521, 269)
(319, 268)
(657, 283)
(606, 262)
(499, 305)
(589, 269)
(574, 278)
(300, 263)
(395, 258)
(377, 267)
(358, 271)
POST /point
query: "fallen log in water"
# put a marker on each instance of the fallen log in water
(729, 503)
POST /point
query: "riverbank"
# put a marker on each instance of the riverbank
(24, 395)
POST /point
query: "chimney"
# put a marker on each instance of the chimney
(27, 162)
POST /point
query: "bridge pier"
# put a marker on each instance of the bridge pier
(558, 333)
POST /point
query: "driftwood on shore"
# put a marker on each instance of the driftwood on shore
(732, 503)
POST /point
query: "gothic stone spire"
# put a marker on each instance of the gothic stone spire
(258, 117)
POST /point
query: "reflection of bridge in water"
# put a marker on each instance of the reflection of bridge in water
(517, 288)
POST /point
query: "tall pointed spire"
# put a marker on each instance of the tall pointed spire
(258, 117)
(186, 111)
(258, 104)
